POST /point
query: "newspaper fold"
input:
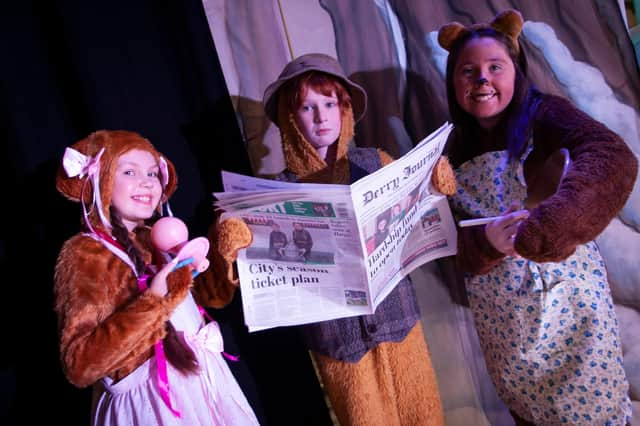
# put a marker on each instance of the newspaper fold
(322, 252)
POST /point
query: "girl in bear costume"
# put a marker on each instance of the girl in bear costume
(376, 369)
(128, 319)
(535, 279)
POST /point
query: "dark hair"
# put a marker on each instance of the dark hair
(178, 353)
(296, 88)
(517, 116)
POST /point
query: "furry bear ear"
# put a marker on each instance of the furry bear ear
(449, 33)
(509, 22)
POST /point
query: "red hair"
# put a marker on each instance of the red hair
(296, 90)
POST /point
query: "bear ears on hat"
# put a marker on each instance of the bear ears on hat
(508, 22)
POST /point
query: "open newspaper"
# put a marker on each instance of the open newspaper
(321, 252)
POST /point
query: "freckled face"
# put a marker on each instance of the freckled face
(136, 187)
(319, 120)
(484, 79)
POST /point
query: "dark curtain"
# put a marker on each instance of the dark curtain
(72, 67)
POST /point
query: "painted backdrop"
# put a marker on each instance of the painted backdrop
(577, 48)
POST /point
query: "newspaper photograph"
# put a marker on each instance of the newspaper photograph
(321, 252)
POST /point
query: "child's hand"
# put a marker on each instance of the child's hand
(502, 232)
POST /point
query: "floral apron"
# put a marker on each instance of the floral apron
(548, 330)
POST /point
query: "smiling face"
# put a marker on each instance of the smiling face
(484, 79)
(136, 187)
(318, 118)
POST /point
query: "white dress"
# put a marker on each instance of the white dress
(211, 397)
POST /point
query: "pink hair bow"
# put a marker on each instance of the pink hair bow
(164, 171)
(77, 164)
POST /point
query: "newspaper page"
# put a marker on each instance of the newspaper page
(305, 263)
(322, 252)
(404, 221)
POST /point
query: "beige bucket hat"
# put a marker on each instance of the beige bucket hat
(314, 62)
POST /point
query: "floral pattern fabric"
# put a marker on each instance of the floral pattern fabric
(548, 330)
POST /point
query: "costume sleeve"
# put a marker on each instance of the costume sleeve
(216, 286)
(596, 187)
(104, 323)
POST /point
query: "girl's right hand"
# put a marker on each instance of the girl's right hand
(159, 282)
(501, 232)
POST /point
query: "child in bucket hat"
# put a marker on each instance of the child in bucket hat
(376, 369)
(127, 314)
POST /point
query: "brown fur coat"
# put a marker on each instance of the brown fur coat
(107, 327)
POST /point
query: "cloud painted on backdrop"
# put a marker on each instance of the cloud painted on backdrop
(588, 89)
(438, 54)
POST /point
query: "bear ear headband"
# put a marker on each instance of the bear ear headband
(508, 22)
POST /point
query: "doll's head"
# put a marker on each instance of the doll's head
(88, 169)
(486, 68)
(170, 235)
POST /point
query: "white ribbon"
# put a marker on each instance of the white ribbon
(77, 164)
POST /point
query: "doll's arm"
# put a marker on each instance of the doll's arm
(105, 325)
(216, 286)
(595, 188)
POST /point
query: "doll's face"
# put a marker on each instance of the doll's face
(136, 187)
(484, 79)
(319, 120)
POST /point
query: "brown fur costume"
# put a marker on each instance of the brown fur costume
(107, 327)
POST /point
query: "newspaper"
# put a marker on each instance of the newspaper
(321, 252)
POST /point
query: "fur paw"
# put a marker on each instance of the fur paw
(443, 178)
(233, 235)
